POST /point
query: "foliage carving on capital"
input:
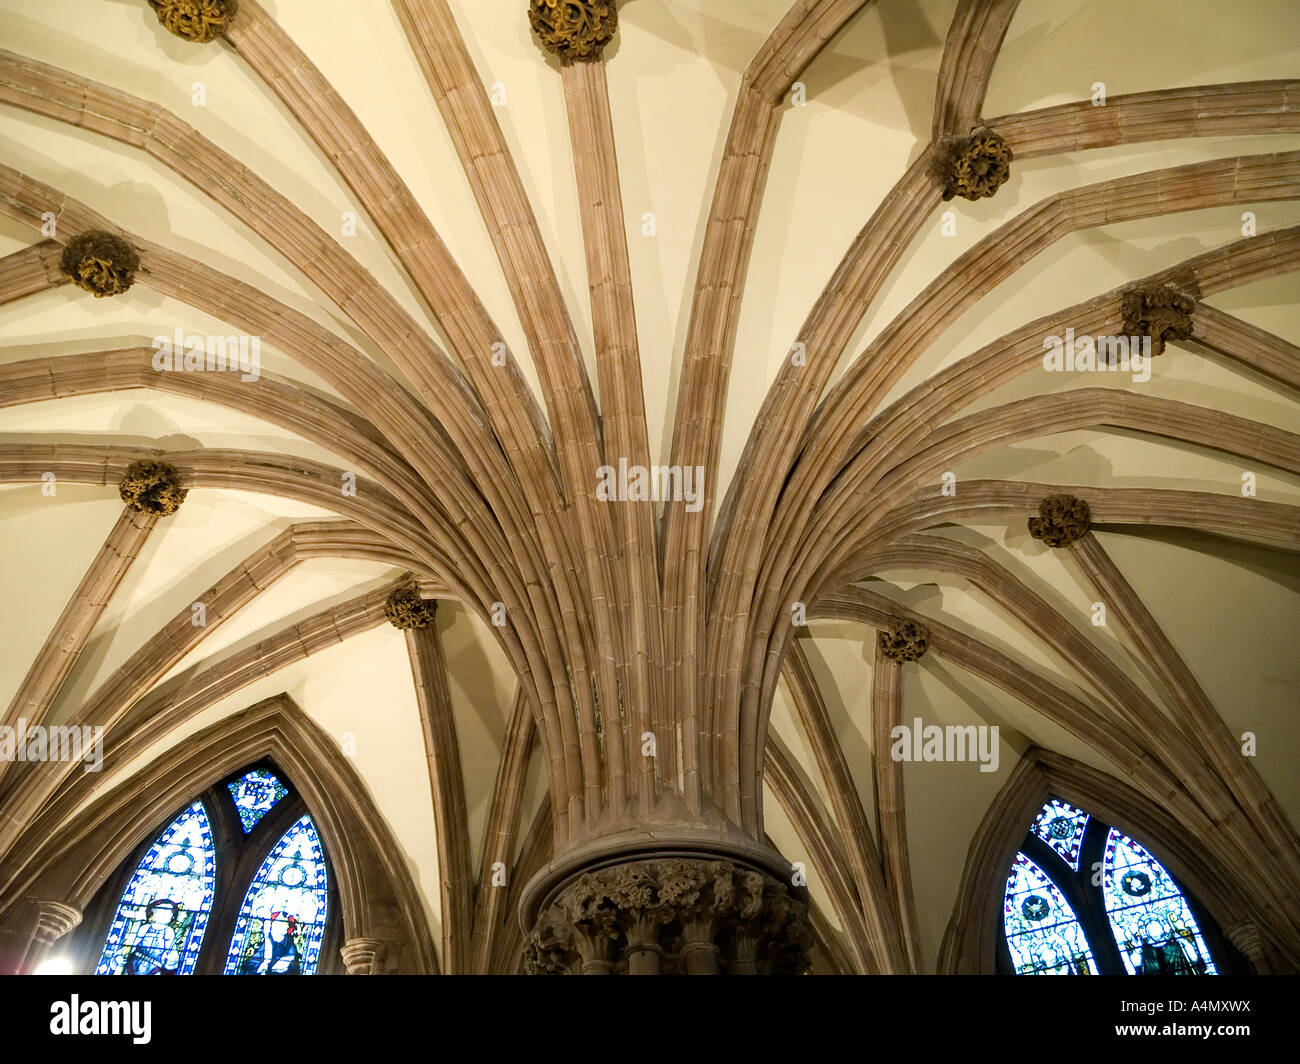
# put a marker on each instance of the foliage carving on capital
(405, 609)
(670, 905)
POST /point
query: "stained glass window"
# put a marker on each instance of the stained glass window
(1114, 896)
(164, 910)
(1043, 933)
(1155, 930)
(280, 915)
(1061, 826)
(254, 793)
(282, 921)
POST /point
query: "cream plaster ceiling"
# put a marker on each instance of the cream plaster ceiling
(1232, 608)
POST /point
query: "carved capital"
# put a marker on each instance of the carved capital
(547, 950)
(405, 609)
(976, 166)
(152, 488)
(200, 21)
(31, 930)
(1246, 937)
(693, 914)
(100, 262)
(1160, 313)
(777, 931)
(364, 956)
(1061, 520)
(54, 919)
(573, 29)
(904, 642)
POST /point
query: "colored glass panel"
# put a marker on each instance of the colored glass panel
(1061, 826)
(282, 921)
(1043, 934)
(1155, 929)
(159, 923)
(254, 794)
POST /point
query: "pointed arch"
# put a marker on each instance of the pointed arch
(1138, 891)
(378, 899)
(281, 921)
(160, 920)
(1042, 929)
(970, 942)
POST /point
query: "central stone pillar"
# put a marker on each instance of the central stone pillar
(670, 914)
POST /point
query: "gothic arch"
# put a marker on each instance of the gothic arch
(383, 921)
(474, 465)
(971, 939)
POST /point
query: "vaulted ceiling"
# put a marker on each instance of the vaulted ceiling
(324, 177)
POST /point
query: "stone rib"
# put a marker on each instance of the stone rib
(710, 345)
(501, 834)
(447, 784)
(782, 776)
(590, 644)
(891, 810)
(861, 852)
(31, 270)
(1244, 108)
(71, 632)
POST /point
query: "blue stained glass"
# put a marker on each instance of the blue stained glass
(282, 921)
(1155, 930)
(159, 923)
(1061, 826)
(1043, 934)
(254, 793)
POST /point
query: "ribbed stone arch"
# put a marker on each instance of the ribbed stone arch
(970, 941)
(622, 621)
(378, 900)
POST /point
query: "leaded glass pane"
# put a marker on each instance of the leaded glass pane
(1061, 826)
(254, 793)
(1043, 933)
(282, 921)
(164, 910)
(1155, 930)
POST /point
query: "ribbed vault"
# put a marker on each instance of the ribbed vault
(902, 514)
